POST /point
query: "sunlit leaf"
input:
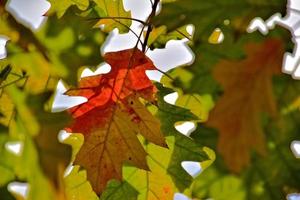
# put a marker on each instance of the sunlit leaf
(60, 7)
(113, 116)
(77, 186)
(114, 15)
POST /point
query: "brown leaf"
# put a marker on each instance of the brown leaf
(248, 93)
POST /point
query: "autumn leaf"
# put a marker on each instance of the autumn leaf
(166, 175)
(113, 116)
(122, 146)
(248, 93)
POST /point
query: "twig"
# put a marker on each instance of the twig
(151, 2)
(15, 81)
(4, 73)
(148, 22)
(181, 33)
(14, 109)
(113, 18)
(131, 31)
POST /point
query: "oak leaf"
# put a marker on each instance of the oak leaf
(167, 176)
(113, 116)
(248, 93)
(113, 15)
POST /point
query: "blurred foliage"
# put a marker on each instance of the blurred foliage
(220, 93)
(275, 174)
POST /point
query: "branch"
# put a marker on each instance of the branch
(4, 73)
(181, 33)
(13, 82)
(148, 22)
(130, 31)
(114, 18)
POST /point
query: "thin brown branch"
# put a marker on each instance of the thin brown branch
(149, 24)
(13, 82)
(4, 73)
(114, 18)
(181, 33)
(130, 31)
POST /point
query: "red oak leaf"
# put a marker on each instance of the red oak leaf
(113, 116)
(126, 77)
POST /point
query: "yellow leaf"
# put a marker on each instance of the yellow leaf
(115, 142)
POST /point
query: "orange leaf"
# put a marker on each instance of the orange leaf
(248, 92)
(126, 77)
(113, 116)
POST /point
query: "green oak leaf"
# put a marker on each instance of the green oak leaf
(179, 79)
(170, 115)
(113, 15)
(117, 190)
(159, 36)
(158, 183)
